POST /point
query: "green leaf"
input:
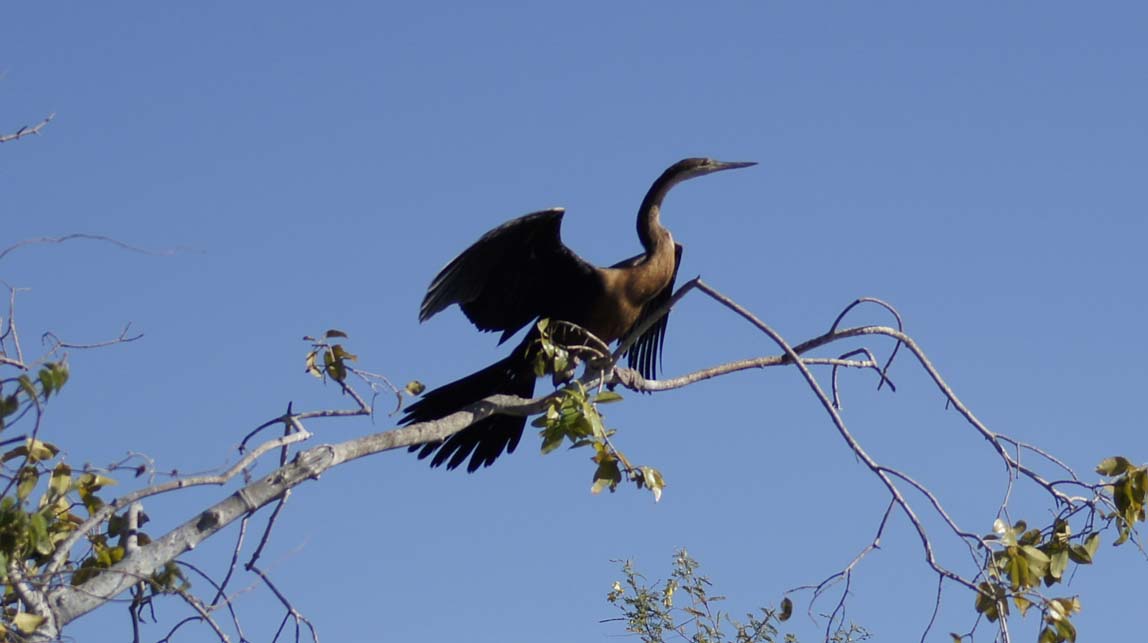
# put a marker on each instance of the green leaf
(27, 622)
(1022, 604)
(1113, 466)
(52, 378)
(552, 438)
(342, 353)
(786, 610)
(334, 332)
(561, 360)
(1030, 537)
(312, 367)
(1092, 543)
(605, 397)
(652, 480)
(540, 364)
(1000, 527)
(336, 370)
(990, 600)
(1034, 554)
(607, 476)
(61, 372)
(38, 530)
(28, 479)
(1079, 554)
(1058, 562)
(89, 482)
(46, 382)
(1065, 630)
(39, 450)
(1061, 531)
(9, 405)
(27, 386)
(415, 387)
(103, 556)
(1067, 606)
(61, 479)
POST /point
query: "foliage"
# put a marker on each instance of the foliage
(34, 529)
(655, 612)
(573, 415)
(1023, 559)
(1129, 489)
(333, 356)
(56, 530)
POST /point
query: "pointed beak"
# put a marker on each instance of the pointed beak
(731, 165)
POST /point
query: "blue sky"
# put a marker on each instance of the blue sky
(982, 168)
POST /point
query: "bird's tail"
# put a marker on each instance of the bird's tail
(489, 437)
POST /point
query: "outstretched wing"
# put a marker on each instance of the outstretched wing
(513, 274)
(645, 353)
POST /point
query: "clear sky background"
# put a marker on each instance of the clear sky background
(981, 167)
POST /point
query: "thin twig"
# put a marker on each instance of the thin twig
(89, 237)
(219, 595)
(936, 609)
(842, 430)
(27, 130)
(846, 573)
(219, 588)
(291, 611)
(900, 327)
(57, 343)
(204, 614)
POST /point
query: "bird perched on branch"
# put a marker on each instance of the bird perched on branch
(520, 272)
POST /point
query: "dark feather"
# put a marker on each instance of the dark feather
(488, 438)
(514, 274)
(645, 354)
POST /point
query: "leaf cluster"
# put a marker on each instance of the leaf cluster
(27, 392)
(1129, 488)
(573, 416)
(329, 360)
(684, 607)
(33, 526)
(1025, 558)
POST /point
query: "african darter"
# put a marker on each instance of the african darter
(521, 271)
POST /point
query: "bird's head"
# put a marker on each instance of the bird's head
(693, 167)
(684, 170)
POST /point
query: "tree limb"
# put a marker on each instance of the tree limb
(27, 130)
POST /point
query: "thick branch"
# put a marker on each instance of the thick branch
(70, 602)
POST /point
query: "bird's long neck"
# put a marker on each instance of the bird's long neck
(650, 230)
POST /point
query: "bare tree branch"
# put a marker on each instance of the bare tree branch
(63, 603)
(90, 237)
(27, 130)
(55, 343)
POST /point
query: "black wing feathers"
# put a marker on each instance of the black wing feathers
(488, 438)
(512, 275)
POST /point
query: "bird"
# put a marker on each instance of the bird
(521, 272)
